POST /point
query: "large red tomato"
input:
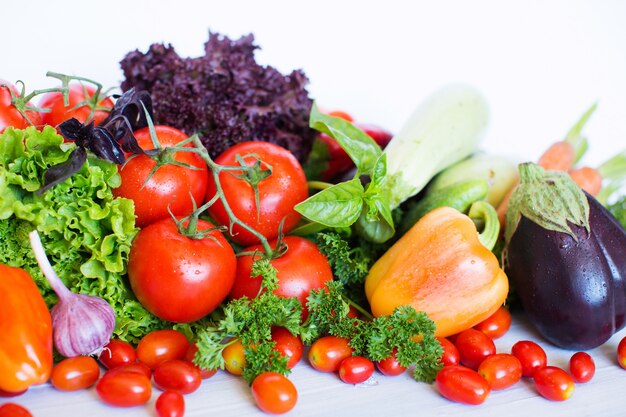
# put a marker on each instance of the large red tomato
(170, 186)
(78, 93)
(9, 115)
(278, 193)
(301, 269)
(177, 278)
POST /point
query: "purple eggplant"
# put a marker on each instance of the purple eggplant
(566, 258)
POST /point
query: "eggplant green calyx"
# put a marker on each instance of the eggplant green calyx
(550, 199)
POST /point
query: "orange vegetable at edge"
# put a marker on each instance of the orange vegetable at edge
(439, 267)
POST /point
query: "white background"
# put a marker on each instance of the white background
(540, 64)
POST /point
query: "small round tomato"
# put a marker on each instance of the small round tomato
(288, 345)
(191, 354)
(621, 353)
(178, 278)
(327, 352)
(177, 375)
(355, 369)
(137, 367)
(73, 374)
(463, 385)
(274, 393)
(9, 394)
(117, 353)
(582, 367)
(234, 357)
(160, 345)
(170, 404)
(451, 355)
(501, 370)
(124, 389)
(497, 324)
(9, 115)
(277, 193)
(14, 410)
(78, 93)
(390, 365)
(171, 187)
(553, 383)
(301, 268)
(474, 346)
(531, 356)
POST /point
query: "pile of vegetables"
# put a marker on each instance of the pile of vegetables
(212, 217)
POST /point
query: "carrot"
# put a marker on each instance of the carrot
(587, 178)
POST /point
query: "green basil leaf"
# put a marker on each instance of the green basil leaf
(375, 231)
(362, 149)
(336, 206)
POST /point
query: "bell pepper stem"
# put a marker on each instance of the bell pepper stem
(486, 213)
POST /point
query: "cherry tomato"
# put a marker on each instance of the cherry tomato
(287, 345)
(117, 353)
(14, 410)
(341, 114)
(531, 356)
(177, 375)
(621, 353)
(277, 194)
(390, 366)
(474, 346)
(234, 357)
(327, 352)
(553, 383)
(274, 393)
(497, 324)
(9, 394)
(9, 115)
(355, 369)
(582, 367)
(451, 355)
(191, 354)
(463, 385)
(160, 345)
(73, 374)
(170, 187)
(78, 93)
(501, 370)
(178, 278)
(170, 404)
(137, 367)
(124, 389)
(301, 269)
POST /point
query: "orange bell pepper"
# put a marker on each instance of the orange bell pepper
(25, 332)
(439, 267)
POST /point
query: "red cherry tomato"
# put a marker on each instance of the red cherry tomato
(501, 370)
(14, 410)
(234, 357)
(78, 93)
(327, 352)
(137, 367)
(474, 346)
(355, 369)
(178, 278)
(9, 115)
(621, 353)
(73, 374)
(463, 385)
(117, 353)
(124, 389)
(553, 383)
(582, 367)
(274, 393)
(277, 194)
(497, 324)
(191, 354)
(390, 366)
(531, 356)
(160, 345)
(170, 187)
(170, 404)
(451, 355)
(287, 345)
(301, 269)
(177, 375)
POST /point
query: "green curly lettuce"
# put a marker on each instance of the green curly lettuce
(86, 231)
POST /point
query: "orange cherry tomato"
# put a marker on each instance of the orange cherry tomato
(234, 357)
(73, 374)
(463, 385)
(501, 370)
(161, 345)
(553, 383)
(451, 355)
(582, 367)
(474, 346)
(531, 356)
(327, 352)
(274, 393)
(497, 324)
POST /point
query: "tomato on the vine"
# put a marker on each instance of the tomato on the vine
(390, 366)
(281, 185)
(274, 393)
(301, 268)
(73, 374)
(531, 355)
(117, 353)
(474, 346)
(78, 93)
(582, 367)
(355, 369)
(124, 389)
(9, 115)
(501, 370)
(170, 404)
(288, 345)
(553, 383)
(161, 345)
(497, 324)
(327, 352)
(460, 384)
(177, 375)
(179, 278)
(172, 186)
